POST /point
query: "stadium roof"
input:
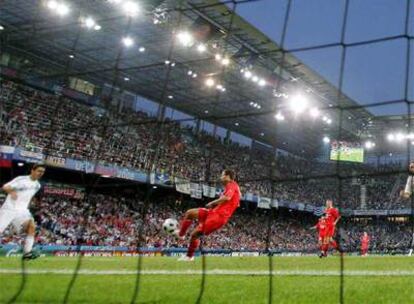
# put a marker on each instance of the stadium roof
(99, 56)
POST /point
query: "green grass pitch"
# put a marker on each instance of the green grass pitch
(229, 280)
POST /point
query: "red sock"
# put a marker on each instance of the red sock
(325, 248)
(192, 248)
(185, 224)
(334, 244)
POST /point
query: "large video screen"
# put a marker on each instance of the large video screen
(347, 151)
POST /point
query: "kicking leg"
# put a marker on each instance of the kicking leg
(208, 223)
(186, 221)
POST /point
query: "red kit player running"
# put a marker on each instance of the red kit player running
(365, 244)
(332, 218)
(216, 214)
(322, 228)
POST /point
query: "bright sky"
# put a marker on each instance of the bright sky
(373, 73)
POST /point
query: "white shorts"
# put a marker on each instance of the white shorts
(15, 217)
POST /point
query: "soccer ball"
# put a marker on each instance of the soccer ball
(170, 225)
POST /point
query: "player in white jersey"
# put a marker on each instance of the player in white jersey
(15, 209)
(406, 193)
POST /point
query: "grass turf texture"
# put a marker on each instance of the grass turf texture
(184, 288)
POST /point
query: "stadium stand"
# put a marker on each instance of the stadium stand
(29, 114)
(114, 221)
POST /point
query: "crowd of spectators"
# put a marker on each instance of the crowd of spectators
(105, 220)
(54, 125)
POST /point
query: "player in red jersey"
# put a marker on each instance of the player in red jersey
(216, 214)
(332, 218)
(365, 244)
(321, 226)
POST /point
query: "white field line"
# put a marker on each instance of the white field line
(214, 272)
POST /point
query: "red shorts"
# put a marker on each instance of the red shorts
(209, 221)
(322, 235)
(330, 231)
